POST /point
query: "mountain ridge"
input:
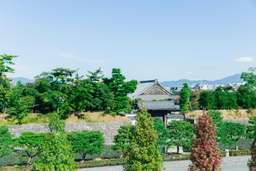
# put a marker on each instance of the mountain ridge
(233, 79)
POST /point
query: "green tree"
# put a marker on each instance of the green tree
(251, 134)
(230, 133)
(194, 99)
(185, 98)
(87, 143)
(120, 89)
(207, 100)
(180, 134)
(81, 96)
(143, 153)
(30, 143)
(54, 89)
(6, 142)
(56, 151)
(205, 154)
(19, 105)
(246, 97)
(91, 94)
(6, 63)
(162, 133)
(225, 98)
(123, 139)
(247, 92)
(56, 125)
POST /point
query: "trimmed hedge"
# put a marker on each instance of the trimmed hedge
(101, 163)
(10, 160)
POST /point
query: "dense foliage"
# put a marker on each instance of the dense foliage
(143, 153)
(180, 134)
(64, 91)
(228, 97)
(251, 132)
(125, 134)
(162, 134)
(29, 143)
(6, 62)
(123, 139)
(86, 143)
(55, 151)
(185, 98)
(205, 153)
(6, 142)
(228, 133)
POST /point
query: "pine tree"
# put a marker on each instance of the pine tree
(143, 154)
(205, 154)
(185, 98)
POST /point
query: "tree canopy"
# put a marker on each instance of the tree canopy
(86, 142)
(205, 154)
(185, 98)
(143, 154)
(180, 134)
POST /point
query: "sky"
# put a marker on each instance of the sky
(147, 39)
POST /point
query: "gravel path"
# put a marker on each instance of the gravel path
(229, 164)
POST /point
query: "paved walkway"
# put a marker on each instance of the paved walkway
(229, 164)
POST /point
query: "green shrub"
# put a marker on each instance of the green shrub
(6, 142)
(30, 144)
(86, 142)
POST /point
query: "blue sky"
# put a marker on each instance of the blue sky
(168, 40)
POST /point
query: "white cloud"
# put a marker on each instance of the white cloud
(244, 59)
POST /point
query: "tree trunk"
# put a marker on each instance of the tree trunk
(178, 149)
(83, 158)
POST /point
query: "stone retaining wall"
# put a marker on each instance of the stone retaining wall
(109, 129)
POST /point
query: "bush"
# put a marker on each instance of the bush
(6, 142)
(99, 163)
(86, 142)
(30, 143)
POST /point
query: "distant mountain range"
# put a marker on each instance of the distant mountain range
(23, 80)
(233, 79)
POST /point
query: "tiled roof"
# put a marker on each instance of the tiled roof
(158, 105)
(143, 86)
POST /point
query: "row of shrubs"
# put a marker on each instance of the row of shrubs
(15, 159)
(85, 144)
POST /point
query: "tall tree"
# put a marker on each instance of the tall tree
(120, 89)
(207, 100)
(54, 89)
(194, 100)
(225, 98)
(251, 133)
(205, 154)
(56, 150)
(6, 63)
(143, 153)
(247, 92)
(19, 105)
(185, 98)
(180, 134)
